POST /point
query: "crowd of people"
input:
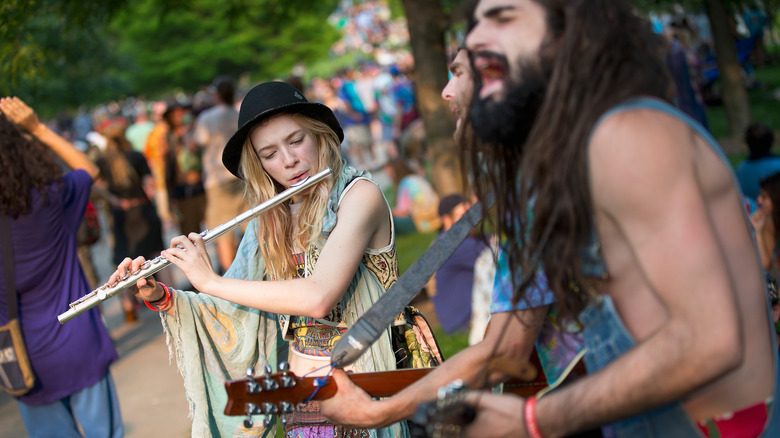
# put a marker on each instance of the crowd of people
(619, 237)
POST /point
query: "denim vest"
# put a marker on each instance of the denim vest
(606, 338)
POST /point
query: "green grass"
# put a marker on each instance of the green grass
(764, 107)
(410, 248)
(450, 344)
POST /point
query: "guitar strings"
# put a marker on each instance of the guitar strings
(319, 381)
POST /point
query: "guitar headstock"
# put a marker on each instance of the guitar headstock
(446, 416)
(268, 394)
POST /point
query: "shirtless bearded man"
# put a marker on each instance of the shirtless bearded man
(637, 223)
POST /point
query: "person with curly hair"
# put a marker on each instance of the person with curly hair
(74, 391)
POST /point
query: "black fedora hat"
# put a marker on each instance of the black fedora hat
(266, 100)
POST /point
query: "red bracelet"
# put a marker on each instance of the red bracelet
(529, 415)
(166, 296)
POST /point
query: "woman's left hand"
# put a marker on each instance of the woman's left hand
(19, 113)
(189, 254)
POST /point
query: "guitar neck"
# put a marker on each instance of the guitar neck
(377, 384)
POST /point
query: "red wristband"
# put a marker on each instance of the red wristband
(166, 296)
(529, 415)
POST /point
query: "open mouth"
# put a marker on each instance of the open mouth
(456, 111)
(492, 69)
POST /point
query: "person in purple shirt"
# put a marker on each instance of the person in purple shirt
(73, 390)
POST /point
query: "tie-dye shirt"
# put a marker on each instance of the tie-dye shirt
(556, 348)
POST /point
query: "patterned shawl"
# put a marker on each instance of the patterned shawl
(215, 340)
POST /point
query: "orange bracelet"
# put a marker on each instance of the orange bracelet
(529, 415)
(166, 296)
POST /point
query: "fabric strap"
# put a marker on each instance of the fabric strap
(8, 268)
(371, 325)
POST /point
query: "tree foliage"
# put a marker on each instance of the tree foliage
(55, 53)
(63, 53)
(188, 45)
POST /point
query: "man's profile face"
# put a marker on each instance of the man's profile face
(460, 87)
(506, 35)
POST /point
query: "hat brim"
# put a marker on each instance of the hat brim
(231, 155)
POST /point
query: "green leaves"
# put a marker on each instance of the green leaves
(64, 53)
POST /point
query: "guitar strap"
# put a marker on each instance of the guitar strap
(369, 327)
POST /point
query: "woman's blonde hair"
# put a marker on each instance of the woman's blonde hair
(275, 228)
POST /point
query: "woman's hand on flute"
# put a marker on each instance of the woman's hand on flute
(189, 254)
(145, 288)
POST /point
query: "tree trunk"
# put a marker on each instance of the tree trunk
(427, 23)
(735, 98)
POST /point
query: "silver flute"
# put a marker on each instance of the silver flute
(149, 267)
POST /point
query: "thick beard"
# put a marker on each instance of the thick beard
(508, 122)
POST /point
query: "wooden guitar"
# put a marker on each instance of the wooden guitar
(276, 393)
(279, 393)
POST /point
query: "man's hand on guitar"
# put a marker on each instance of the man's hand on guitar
(497, 416)
(350, 405)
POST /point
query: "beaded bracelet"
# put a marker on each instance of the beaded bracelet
(166, 296)
(529, 415)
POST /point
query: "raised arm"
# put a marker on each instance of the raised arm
(24, 116)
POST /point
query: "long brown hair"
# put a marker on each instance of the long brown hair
(27, 164)
(596, 54)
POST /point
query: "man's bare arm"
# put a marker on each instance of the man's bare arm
(652, 195)
(354, 407)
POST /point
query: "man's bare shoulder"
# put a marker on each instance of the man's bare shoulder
(639, 152)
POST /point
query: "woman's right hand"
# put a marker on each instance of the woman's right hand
(145, 288)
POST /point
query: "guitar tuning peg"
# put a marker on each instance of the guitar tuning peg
(270, 409)
(269, 384)
(284, 367)
(252, 387)
(268, 370)
(286, 407)
(287, 380)
(248, 422)
(267, 422)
